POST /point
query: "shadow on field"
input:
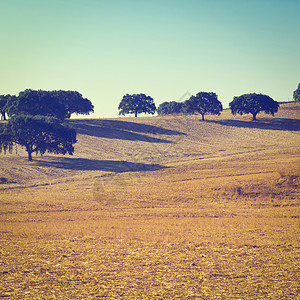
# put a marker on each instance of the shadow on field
(269, 124)
(115, 129)
(83, 164)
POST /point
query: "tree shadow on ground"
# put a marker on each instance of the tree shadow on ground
(267, 124)
(115, 129)
(83, 164)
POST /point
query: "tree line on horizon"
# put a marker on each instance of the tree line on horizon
(202, 103)
(37, 117)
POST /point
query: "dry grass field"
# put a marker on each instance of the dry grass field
(157, 208)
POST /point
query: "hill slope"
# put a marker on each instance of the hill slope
(159, 207)
(129, 144)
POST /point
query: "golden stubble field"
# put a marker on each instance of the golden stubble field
(157, 208)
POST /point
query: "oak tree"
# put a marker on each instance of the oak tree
(296, 94)
(37, 134)
(35, 102)
(136, 104)
(203, 103)
(171, 107)
(60, 104)
(253, 104)
(73, 102)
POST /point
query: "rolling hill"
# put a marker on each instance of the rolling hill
(157, 207)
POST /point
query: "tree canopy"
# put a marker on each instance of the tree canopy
(253, 104)
(37, 134)
(73, 102)
(35, 102)
(59, 104)
(3, 105)
(203, 103)
(136, 104)
(167, 108)
(296, 94)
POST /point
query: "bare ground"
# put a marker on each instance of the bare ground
(156, 208)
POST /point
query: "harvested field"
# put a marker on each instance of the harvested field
(157, 208)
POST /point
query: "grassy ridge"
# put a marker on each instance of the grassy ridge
(159, 207)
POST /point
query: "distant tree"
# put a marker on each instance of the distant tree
(203, 103)
(73, 102)
(296, 94)
(60, 104)
(167, 108)
(136, 104)
(253, 104)
(3, 105)
(36, 102)
(37, 134)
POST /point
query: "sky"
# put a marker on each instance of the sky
(166, 49)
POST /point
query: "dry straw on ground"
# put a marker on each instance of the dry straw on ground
(157, 208)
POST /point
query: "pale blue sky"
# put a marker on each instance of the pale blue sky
(105, 49)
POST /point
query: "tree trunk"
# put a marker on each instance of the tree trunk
(202, 117)
(135, 114)
(29, 156)
(254, 116)
(29, 151)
